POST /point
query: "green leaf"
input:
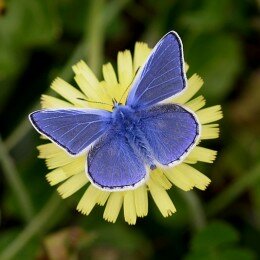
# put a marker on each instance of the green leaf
(227, 254)
(124, 239)
(9, 68)
(30, 249)
(206, 18)
(214, 235)
(217, 59)
(218, 241)
(29, 22)
(211, 15)
(237, 253)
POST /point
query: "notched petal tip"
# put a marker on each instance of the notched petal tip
(210, 114)
(129, 208)
(113, 206)
(161, 199)
(89, 200)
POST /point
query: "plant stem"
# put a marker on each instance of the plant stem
(36, 226)
(196, 210)
(112, 9)
(95, 34)
(13, 178)
(227, 196)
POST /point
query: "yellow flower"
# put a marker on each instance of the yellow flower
(69, 172)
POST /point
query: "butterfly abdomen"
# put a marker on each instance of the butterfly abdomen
(140, 145)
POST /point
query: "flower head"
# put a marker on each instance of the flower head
(68, 173)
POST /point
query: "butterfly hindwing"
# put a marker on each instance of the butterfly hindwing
(162, 76)
(112, 163)
(171, 132)
(72, 129)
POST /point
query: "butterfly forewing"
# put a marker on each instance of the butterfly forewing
(72, 129)
(162, 76)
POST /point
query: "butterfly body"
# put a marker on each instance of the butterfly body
(127, 122)
(143, 133)
(124, 117)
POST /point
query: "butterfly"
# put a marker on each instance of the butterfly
(122, 146)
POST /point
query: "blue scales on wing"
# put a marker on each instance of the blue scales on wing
(112, 163)
(162, 76)
(72, 129)
(171, 132)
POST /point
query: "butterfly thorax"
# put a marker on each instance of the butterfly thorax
(124, 118)
(126, 121)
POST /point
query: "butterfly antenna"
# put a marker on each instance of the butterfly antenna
(95, 102)
(129, 85)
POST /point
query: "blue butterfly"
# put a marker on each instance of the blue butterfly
(143, 133)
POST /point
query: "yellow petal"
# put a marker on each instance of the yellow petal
(194, 84)
(202, 154)
(129, 207)
(102, 198)
(159, 178)
(91, 93)
(89, 200)
(209, 114)
(200, 180)
(186, 67)
(77, 165)
(161, 198)
(48, 150)
(141, 201)
(59, 160)
(210, 131)
(94, 93)
(82, 68)
(141, 53)
(125, 68)
(62, 173)
(68, 92)
(56, 157)
(110, 84)
(109, 75)
(72, 185)
(56, 176)
(190, 161)
(196, 103)
(113, 206)
(48, 102)
(178, 178)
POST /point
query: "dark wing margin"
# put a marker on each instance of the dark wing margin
(171, 131)
(72, 129)
(113, 165)
(162, 76)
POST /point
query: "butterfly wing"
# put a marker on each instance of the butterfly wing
(72, 129)
(162, 76)
(171, 132)
(113, 165)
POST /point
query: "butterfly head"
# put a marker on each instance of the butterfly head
(122, 114)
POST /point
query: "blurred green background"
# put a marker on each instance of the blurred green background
(41, 39)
